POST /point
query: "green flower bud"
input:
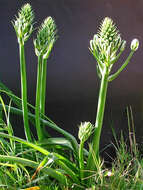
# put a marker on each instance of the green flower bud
(85, 130)
(23, 24)
(134, 44)
(46, 37)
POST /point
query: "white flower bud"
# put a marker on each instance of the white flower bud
(95, 37)
(134, 44)
(91, 45)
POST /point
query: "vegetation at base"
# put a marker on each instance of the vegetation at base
(125, 172)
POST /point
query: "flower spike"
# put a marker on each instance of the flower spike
(46, 37)
(106, 42)
(85, 130)
(23, 24)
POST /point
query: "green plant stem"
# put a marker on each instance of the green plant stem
(38, 98)
(115, 75)
(99, 120)
(81, 160)
(43, 85)
(43, 89)
(24, 92)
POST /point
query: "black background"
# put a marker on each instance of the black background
(72, 82)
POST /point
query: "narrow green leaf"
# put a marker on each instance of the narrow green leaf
(57, 141)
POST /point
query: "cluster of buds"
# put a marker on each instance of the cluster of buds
(85, 130)
(106, 43)
(46, 37)
(23, 24)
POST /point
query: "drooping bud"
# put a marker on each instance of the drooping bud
(134, 44)
(85, 130)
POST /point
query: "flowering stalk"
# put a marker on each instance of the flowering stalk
(23, 25)
(51, 38)
(85, 130)
(44, 42)
(106, 47)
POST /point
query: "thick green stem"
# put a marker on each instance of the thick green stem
(99, 120)
(43, 85)
(24, 92)
(38, 98)
(43, 89)
(81, 160)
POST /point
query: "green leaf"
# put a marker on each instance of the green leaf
(62, 142)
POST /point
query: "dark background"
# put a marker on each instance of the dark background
(72, 82)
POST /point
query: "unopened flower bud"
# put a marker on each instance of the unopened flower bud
(91, 45)
(122, 48)
(134, 44)
(95, 37)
